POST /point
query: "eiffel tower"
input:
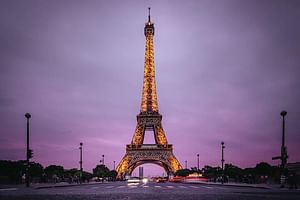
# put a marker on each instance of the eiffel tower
(149, 119)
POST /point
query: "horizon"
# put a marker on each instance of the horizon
(224, 72)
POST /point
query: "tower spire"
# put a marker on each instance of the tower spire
(149, 98)
(149, 20)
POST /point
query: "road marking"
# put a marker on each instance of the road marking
(94, 188)
(8, 189)
(222, 188)
(170, 186)
(157, 186)
(122, 186)
(182, 186)
(145, 186)
(193, 186)
(109, 187)
(207, 187)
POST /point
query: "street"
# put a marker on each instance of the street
(150, 190)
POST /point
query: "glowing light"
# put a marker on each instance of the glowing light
(145, 180)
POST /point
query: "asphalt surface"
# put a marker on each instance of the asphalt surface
(150, 190)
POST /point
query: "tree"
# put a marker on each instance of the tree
(36, 170)
(233, 171)
(12, 171)
(263, 168)
(195, 170)
(212, 172)
(182, 172)
(54, 171)
(100, 171)
(112, 174)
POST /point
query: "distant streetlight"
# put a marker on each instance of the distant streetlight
(114, 165)
(103, 159)
(185, 164)
(198, 166)
(80, 162)
(222, 145)
(28, 152)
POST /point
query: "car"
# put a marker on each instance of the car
(161, 180)
(177, 179)
(133, 180)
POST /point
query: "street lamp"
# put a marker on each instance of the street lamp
(28, 152)
(198, 162)
(283, 155)
(103, 159)
(222, 145)
(80, 162)
(114, 165)
(185, 164)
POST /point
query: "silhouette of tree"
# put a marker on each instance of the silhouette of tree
(233, 171)
(183, 172)
(100, 171)
(54, 171)
(263, 168)
(212, 172)
(112, 174)
(11, 171)
(36, 170)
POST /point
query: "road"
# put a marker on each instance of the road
(150, 190)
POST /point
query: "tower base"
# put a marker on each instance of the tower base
(137, 155)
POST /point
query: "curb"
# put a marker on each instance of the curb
(69, 185)
(230, 185)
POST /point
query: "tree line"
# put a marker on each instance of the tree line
(13, 172)
(261, 173)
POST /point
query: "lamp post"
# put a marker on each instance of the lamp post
(114, 165)
(185, 164)
(103, 159)
(222, 145)
(80, 162)
(198, 162)
(284, 155)
(28, 152)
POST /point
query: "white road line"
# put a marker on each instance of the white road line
(145, 186)
(222, 188)
(8, 189)
(122, 186)
(193, 186)
(207, 187)
(170, 186)
(157, 186)
(109, 187)
(94, 188)
(182, 186)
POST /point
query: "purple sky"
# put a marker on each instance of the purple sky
(224, 71)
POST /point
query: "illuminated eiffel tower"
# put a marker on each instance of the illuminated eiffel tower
(149, 119)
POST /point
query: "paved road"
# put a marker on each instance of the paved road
(165, 191)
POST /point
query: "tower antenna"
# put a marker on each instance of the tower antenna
(149, 15)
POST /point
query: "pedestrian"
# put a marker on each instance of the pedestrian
(294, 181)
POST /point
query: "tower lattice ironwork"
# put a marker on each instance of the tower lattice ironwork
(149, 119)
